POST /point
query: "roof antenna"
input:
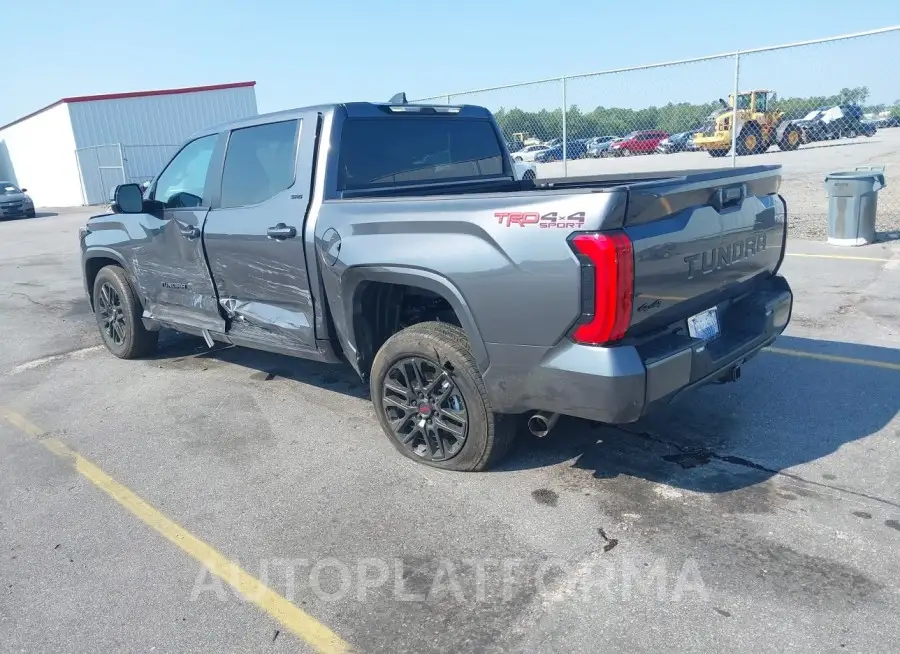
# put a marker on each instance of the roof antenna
(399, 98)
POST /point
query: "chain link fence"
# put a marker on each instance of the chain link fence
(103, 167)
(813, 107)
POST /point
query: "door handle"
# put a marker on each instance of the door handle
(190, 232)
(281, 231)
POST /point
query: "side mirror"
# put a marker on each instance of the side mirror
(24, 190)
(128, 198)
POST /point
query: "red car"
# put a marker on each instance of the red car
(640, 142)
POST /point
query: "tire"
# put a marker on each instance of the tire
(528, 174)
(441, 352)
(126, 337)
(749, 141)
(625, 152)
(30, 214)
(791, 139)
(718, 153)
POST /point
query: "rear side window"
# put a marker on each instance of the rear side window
(259, 163)
(416, 150)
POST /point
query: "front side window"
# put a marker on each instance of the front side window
(416, 150)
(259, 163)
(181, 184)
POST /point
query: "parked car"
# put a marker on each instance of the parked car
(639, 142)
(681, 142)
(15, 202)
(324, 243)
(599, 144)
(575, 149)
(525, 170)
(528, 152)
(839, 121)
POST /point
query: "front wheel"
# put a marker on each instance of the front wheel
(118, 312)
(431, 401)
(718, 153)
(791, 139)
(528, 174)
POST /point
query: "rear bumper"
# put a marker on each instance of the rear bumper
(620, 384)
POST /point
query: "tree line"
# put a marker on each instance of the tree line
(546, 124)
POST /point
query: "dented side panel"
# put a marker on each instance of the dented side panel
(262, 281)
(169, 269)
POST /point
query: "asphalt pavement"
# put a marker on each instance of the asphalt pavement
(229, 500)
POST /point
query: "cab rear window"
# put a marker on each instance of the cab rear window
(402, 151)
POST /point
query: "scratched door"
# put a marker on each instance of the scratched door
(254, 237)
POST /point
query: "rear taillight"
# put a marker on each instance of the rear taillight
(607, 286)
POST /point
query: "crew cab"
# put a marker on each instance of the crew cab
(397, 238)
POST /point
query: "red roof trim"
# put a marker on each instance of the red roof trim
(145, 94)
(132, 94)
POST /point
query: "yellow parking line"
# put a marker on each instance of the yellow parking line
(295, 620)
(834, 358)
(836, 256)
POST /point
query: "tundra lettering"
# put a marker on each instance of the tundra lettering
(466, 298)
(721, 257)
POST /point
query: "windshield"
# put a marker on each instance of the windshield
(812, 114)
(8, 189)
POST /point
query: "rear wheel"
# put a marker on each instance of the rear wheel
(718, 153)
(431, 401)
(528, 174)
(118, 312)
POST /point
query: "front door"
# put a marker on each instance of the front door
(169, 265)
(254, 235)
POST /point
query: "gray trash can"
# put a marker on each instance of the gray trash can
(853, 204)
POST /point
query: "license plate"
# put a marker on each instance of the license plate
(704, 325)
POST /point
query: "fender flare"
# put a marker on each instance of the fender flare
(353, 281)
(99, 252)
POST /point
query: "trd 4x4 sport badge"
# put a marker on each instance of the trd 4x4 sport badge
(548, 220)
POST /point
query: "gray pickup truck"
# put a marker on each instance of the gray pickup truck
(396, 237)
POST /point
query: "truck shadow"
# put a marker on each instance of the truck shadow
(787, 410)
(180, 351)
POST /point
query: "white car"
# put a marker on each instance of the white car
(525, 170)
(528, 152)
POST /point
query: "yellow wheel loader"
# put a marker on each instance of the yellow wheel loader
(758, 127)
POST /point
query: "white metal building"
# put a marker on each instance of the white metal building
(75, 151)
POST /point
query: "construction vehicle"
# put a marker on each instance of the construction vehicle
(526, 139)
(758, 127)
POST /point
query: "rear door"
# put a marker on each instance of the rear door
(254, 234)
(168, 262)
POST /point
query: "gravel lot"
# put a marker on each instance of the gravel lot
(770, 506)
(804, 173)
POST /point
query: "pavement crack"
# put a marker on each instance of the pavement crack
(29, 298)
(699, 452)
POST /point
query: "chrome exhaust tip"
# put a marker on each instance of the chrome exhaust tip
(540, 423)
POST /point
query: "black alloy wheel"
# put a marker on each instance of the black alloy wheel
(111, 314)
(424, 408)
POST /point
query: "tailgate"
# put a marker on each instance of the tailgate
(701, 239)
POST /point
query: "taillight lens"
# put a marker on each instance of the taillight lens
(607, 278)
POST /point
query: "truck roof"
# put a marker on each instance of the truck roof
(353, 109)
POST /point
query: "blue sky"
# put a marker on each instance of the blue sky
(303, 52)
